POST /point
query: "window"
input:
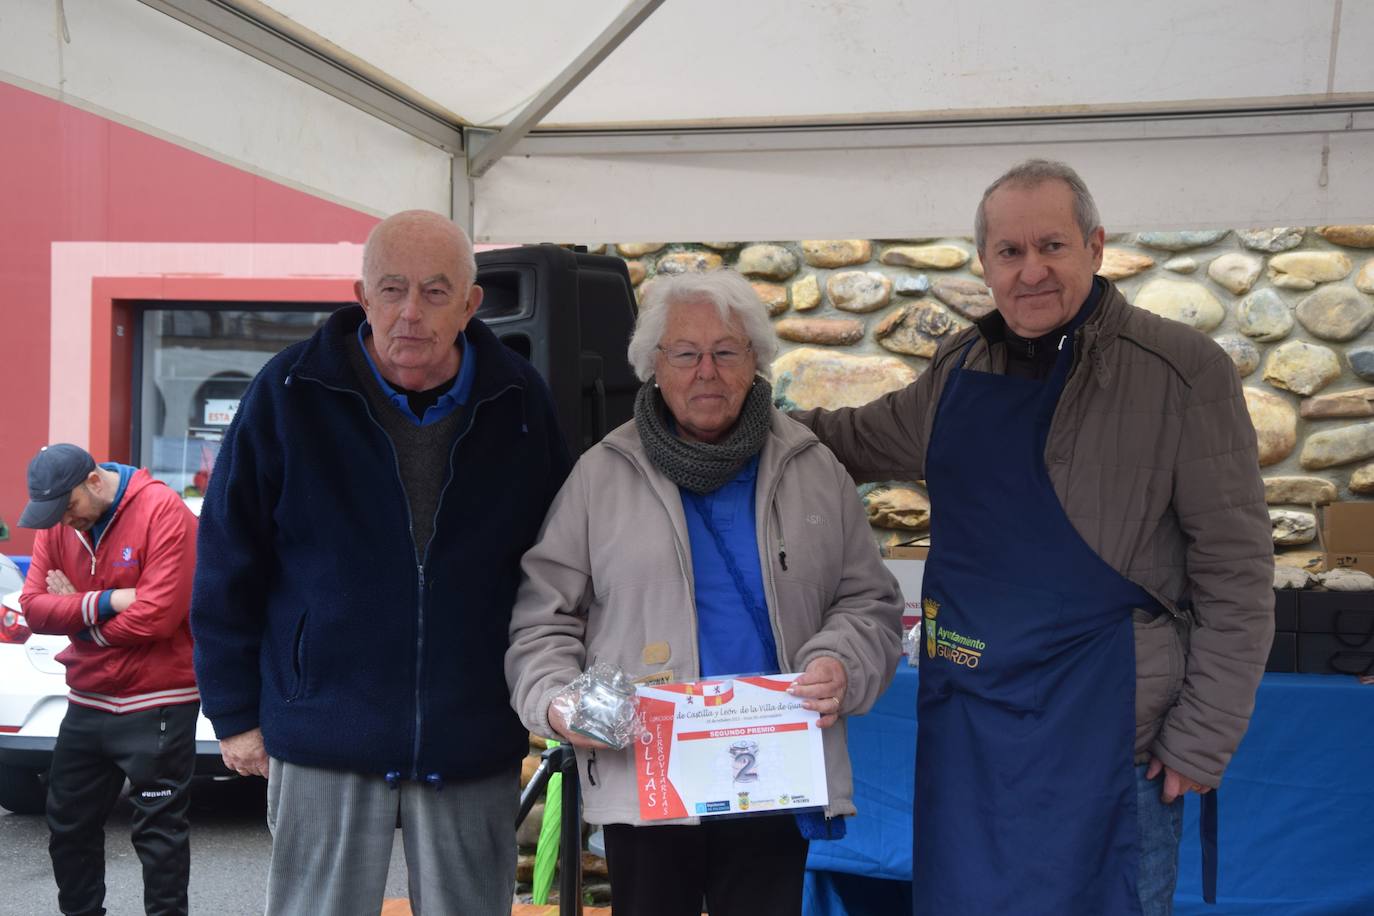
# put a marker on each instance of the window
(191, 367)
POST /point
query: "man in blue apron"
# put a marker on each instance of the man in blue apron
(1097, 601)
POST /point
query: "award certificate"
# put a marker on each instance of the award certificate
(739, 745)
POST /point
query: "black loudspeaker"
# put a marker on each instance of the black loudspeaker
(571, 315)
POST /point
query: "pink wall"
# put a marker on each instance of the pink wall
(70, 176)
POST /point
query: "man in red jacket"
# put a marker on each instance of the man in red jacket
(118, 583)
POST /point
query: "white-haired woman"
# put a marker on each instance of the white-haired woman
(711, 535)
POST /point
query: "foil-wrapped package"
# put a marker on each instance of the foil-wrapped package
(911, 645)
(600, 704)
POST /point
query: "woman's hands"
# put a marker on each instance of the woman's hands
(822, 686)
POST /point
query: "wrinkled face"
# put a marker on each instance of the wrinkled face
(1037, 263)
(418, 299)
(706, 399)
(84, 507)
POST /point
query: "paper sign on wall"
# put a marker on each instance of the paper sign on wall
(220, 411)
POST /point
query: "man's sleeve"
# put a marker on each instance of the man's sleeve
(164, 584)
(882, 440)
(1219, 500)
(58, 615)
(234, 568)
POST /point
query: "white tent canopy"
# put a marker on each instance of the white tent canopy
(768, 119)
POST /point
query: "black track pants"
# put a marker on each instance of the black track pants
(156, 750)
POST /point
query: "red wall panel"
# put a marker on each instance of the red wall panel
(68, 175)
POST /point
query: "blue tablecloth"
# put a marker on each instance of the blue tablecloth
(1296, 825)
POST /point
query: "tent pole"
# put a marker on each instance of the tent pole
(462, 193)
(225, 21)
(483, 158)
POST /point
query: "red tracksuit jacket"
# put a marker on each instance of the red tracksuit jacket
(140, 658)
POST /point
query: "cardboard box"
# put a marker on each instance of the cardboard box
(907, 552)
(1349, 526)
(1347, 536)
(1364, 562)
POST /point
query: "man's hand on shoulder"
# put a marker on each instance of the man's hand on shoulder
(1175, 783)
(245, 753)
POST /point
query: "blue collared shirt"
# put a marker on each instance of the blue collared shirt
(457, 395)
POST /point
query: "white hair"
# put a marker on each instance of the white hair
(733, 298)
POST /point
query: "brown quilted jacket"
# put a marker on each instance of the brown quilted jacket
(1153, 456)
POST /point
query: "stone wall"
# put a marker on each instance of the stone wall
(1293, 307)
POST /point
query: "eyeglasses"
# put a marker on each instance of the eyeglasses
(724, 358)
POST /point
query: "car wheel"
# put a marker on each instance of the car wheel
(22, 791)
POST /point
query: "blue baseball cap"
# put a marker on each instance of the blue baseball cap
(53, 473)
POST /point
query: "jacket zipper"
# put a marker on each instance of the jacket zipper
(782, 538)
(783, 654)
(424, 561)
(410, 528)
(93, 546)
(89, 549)
(771, 583)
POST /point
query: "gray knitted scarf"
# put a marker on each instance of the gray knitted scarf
(703, 467)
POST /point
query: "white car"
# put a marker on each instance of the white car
(33, 700)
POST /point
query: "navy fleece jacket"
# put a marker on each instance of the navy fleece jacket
(312, 615)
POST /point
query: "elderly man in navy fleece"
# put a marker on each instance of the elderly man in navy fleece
(360, 543)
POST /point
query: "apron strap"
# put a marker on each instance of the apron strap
(1207, 827)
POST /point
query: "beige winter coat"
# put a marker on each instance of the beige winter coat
(1154, 459)
(610, 579)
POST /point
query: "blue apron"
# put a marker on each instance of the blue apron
(1025, 787)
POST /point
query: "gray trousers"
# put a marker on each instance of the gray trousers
(332, 834)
